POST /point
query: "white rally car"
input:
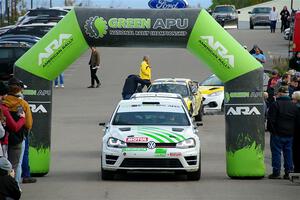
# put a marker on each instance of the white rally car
(151, 134)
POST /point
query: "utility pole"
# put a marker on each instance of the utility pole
(31, 4)
(50, 3)
(292, 4)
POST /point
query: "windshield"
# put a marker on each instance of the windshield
(151, 118)
(47, 12)
(224, 9)
(170, 88)
(261, 10)
(212, 81)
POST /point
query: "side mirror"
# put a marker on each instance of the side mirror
(249, 12)
(102, 124)
(239, 12)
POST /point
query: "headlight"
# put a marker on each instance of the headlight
(215, 94)
(114, 142)
(185, 144)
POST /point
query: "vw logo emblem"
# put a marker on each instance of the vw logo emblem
(151, 145)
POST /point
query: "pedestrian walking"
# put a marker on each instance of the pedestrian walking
(145, 73)
(60, 78)
(9, 188)
(130, 85)
(296, 139)
(285, 14)
(281, 124)
(94, 66)
(273, 17)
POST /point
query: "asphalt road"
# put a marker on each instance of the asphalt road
(76, 136)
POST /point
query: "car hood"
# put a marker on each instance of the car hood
(261, 15)
(158, 134)
(206, 90)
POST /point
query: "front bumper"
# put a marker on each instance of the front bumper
(143, 159)
(213, 103)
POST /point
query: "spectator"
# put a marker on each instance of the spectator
(284, 81)
(130, 85)
(273, 17)
(271, 85)
(61, 81)
(94, 66)
(293, 86)
(8, 122)
(284, 18)
(295, 62)
(15, 102)
(259, 57)
(296, 139)
(252, 51)
(145, 73)
(9, 188)
(282, 125)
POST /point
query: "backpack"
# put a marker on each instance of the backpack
(15, 138)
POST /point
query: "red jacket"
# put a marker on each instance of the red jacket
(11, 124)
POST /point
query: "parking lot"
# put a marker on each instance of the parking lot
(76, 136)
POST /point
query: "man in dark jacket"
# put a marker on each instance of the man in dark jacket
(94, 66)
(8, 185)
(296, 139)
(130, 85)
(295, 62)
(282, 116)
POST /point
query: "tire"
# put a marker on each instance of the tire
(107, 175)
(195, 176)
(222, 107)
(251, 26)
(199, 116)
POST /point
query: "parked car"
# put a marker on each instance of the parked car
(46, 12)
(10, 52)
(287, 35)
(20, 38)
(38, 30)
(259, 16)
(226, 15)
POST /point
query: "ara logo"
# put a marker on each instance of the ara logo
(54, 45)
(221, 50)
(243, 110)
(167, 4)
(37, 109)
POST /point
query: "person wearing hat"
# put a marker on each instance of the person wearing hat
(9, 188)
(15, 102)
(252, 51)
(271, 86)
(281, 124)
(7, 121)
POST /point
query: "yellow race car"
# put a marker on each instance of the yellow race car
(187, 88)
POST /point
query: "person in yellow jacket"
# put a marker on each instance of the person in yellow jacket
(15, 103)
(145, 73)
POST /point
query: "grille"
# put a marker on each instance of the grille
(111, 160)
(151, 163)
(144, 145)
(191, 160)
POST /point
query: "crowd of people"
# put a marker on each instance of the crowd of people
(282, 100)
(15, 126)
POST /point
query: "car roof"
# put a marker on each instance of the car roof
(9, 44)
(156, 94)
(173, 79)
(151, 101)
(38, 24)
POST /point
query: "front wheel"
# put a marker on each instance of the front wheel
(195, 176)
(107, 175)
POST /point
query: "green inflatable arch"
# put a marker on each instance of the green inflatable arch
(193, 29)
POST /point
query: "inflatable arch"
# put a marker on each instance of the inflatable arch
(193, 29)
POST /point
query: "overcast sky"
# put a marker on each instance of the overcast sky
(115, 3)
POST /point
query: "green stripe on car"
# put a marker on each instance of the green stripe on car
(162, 134)
(165, 131)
